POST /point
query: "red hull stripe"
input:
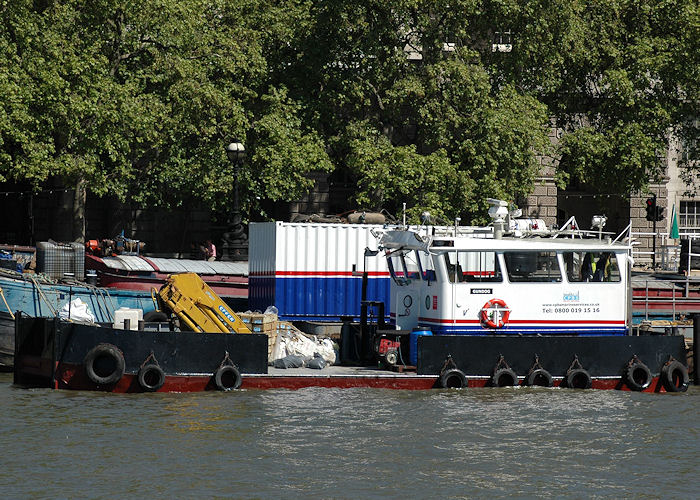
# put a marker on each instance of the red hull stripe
(356, 274)
(523, 322)
(70, 376)
(175, 383)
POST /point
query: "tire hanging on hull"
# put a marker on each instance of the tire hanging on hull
(538, 376)
(151, 377)
(637, 375)
(453, 379)
(577, 377)
(104, 364)
(674, 376)
(503, 375)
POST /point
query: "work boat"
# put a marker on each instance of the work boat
(518, 304)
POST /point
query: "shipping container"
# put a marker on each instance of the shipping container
(314, 271)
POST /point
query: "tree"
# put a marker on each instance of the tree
(620, 77)
(138, 100)
(434, 133)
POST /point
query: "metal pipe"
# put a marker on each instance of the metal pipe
(696, 348)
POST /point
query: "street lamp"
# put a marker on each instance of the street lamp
(235, 241)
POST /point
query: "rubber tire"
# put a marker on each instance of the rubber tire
(632, 374)
(667, 377)
(536, 376)
(222, 375)
(574, 377)
(156, 317)
(146, 374)
(500, 374)
(453, 379)
(114, 356)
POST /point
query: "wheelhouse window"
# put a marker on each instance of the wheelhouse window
(427, 266)
(403, 266)
(412, 268)
(473, 267)
(532, 267)
(591, 266)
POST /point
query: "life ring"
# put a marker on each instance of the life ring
(104, 364)
(578, 378)
(539, 378)
(495, 313)
(453, 379)
(151, 377)
(637, 376)
(504, 377)
(227, 378)
(674, 376)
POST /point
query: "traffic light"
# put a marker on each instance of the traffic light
(659, 213)
(652, 209)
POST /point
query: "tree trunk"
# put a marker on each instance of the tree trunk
(79, 212)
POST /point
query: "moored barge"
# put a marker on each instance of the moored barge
(507, 305)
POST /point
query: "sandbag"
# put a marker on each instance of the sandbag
(290, 361)
(77, 310)
(317, 362)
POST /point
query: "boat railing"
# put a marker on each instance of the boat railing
(667, 251)
(677, 298)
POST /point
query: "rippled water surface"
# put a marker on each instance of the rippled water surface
(349, 443)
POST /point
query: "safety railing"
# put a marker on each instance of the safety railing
(666, 297)
(667, 251)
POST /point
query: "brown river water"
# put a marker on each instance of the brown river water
(349, 444)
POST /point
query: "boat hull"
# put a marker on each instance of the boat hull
(54, 354)
(605, 358)
(7, 341)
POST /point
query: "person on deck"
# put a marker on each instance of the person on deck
(210, 251)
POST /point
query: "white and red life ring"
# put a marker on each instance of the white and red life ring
(495, 314)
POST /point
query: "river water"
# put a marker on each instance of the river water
(349, 443)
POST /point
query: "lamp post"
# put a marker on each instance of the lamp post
(235, 241)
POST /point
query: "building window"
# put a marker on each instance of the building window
(689, 215)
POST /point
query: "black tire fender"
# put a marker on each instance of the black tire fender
(453, 379)
(539, 378)
(151, 377)
(637, 376)
(104, 364)
(674, 377)
(156, 317)
(504, 377)
(227, 378)
(578, 378)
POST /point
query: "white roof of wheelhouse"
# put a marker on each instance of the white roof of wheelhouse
(415, 241)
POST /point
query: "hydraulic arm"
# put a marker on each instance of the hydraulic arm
(198, 306)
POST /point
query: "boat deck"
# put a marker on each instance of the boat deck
(338, 376)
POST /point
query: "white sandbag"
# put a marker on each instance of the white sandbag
(77, 310)
(301, 345)
(327, 351)
(279, 350)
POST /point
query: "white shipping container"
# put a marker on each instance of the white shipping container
(313, 271)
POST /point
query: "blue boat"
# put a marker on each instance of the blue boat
(38, 296)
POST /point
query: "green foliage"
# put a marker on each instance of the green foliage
(139, 99)
(619, 77)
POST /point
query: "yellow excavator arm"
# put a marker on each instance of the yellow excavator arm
(198, 306)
